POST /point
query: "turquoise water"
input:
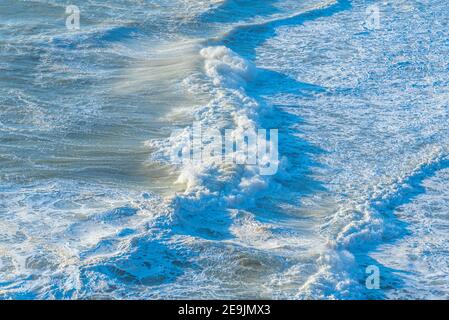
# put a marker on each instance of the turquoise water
(92, 207)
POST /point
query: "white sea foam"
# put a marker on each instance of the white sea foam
(358, 137)
(362, 223)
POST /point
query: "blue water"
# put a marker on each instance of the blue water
(91, 206)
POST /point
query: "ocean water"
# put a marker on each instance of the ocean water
(91, 207)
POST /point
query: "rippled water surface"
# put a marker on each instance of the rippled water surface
(91, 206)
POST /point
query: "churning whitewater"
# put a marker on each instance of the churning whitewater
(350, 99)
